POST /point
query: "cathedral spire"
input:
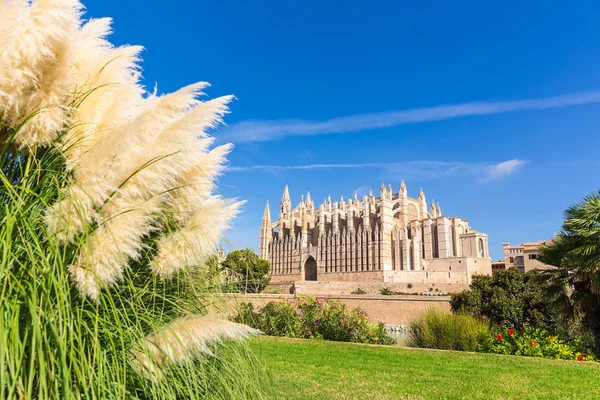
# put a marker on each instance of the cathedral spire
(285, 207)
(266, 220)
(439, 210)
(421, 194)
(286, 193)
(433, 210)
(403, 189)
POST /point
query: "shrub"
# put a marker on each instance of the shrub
(358, 291)
(508, 299)
(530, 343)
(442, 330)
(314, 319)
(107, 207)
(410, 286)
(386, 291)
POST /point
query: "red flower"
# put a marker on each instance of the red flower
(499, 338)
(533, 344)
(520, 331)
(511, 332)
(585, 355)
(580, 358)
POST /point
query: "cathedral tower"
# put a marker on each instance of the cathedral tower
(265, 233)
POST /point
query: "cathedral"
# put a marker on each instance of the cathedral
(391, 238)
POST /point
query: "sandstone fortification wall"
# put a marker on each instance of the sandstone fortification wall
(392, 310)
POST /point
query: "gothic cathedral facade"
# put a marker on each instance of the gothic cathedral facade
(391, 238)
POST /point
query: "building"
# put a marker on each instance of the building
(220, 253)
(391, 238)
(498, 266)
(524, 256)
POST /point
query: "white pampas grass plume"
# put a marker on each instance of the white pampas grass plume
(183, 340)
(109, 248)
(194, 243)
(197, 182)
(135, 158)
(157, 168)
(34, 67)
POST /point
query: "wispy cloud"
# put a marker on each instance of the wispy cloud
(361, 191)
(266, 130)
(502, 170)
(485, 172)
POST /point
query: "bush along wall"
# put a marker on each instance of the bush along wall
(531, 343)
(310, 318)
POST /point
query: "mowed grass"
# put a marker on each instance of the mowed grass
(310, 369)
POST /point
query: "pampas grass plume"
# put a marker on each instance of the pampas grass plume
(183, 340)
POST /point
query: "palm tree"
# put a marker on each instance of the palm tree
(574, 285)
(247, 268)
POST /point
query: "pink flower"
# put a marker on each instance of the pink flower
(309, 333)
(300, 314)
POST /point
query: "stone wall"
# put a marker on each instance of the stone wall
(392, 310)
(372, 288)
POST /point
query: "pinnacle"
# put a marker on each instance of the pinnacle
(286, 193)
(267, 214)
(402, 187)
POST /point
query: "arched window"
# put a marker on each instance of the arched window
(481, 248)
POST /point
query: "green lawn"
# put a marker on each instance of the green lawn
(310, 369)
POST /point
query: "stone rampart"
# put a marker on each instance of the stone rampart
(392, 310)
(373, 288)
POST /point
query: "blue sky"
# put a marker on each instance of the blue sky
(491, 107)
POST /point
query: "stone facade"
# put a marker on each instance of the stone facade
(390, 238)
(524, 256)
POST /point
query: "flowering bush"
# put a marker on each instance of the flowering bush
(310, 318)
(531, 343)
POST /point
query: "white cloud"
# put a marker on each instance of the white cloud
(502, 170)
(362, 191)
(266, 130)
(484, 171)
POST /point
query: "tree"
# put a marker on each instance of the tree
(248, 271)
(574, 285)
(508, 299)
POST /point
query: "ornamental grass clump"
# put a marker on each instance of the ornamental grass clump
(312, 318)
(107, 210)
(442, 330)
